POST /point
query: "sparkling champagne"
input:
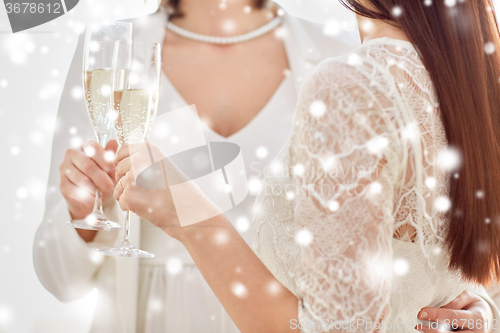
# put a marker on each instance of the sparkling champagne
(99, 97)
(136, 110)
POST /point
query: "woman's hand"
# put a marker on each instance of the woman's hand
(155, 206)
(466, 313)
(83, 171)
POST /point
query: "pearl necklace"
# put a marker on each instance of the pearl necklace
(225, 40)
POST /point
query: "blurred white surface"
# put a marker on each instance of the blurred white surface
(33, 67)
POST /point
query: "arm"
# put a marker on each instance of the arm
(346, 244)
(63, 261)
(344, 203)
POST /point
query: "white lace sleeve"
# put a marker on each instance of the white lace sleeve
(346, 159)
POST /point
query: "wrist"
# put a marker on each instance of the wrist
(75, 214)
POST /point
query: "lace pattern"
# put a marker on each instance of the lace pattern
(360, 172)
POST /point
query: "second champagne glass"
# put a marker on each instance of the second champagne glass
(136, 107)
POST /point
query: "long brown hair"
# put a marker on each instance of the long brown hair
(459, 44)
(175, 12)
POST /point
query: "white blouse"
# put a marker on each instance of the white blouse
(352, 218)
(173, 296)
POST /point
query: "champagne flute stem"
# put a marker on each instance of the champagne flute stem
(98, 202)
(126, 227)
(102, 139)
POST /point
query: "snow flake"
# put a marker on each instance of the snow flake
(450, 3)
(449, 159)
(15, 150)
(261, 152)
(174, 266)
(401, 267)
(254, 186)
(242, 224)
(303, 237)
(317, 109)
(239, 289)
(334, 205)
(430, 182)
(442, 204)
(489, 48)
(377, 144)
(397, 11)
(299, 169)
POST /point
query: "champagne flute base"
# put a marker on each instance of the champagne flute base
(125, 249)
(95, 221)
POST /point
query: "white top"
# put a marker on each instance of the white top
(173, 296)
(358, 233)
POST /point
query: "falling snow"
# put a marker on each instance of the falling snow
(442, 204)
(15, 150)
(242, 224)
(450, 3)
(174, 266)
(109, 155)
(274, 287)
(89, 151)
(239, 289)
(299, 169)
(6, 316)
(375, 188)
(222, 237)
(397, 11)
(254, 186)
(401, 267)
(317, 109)
(303, 237)
(377, 145)
(489, 48)
(449, 159)
(261, 152)
(334, 206)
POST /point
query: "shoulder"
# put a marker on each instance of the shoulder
(356, 68)
(354, 86)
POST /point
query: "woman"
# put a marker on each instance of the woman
(245, 92)
(384, 199)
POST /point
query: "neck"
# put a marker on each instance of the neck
(221, 17)
(372, 29)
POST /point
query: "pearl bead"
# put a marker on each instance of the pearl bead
(225, 40)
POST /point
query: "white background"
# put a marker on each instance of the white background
(33, 67)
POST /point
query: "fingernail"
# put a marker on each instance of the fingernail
(422, 315)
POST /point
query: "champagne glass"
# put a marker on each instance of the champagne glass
(97, 83)
(136, 106)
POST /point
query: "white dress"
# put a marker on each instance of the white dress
(351, 218)
(173, 296)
